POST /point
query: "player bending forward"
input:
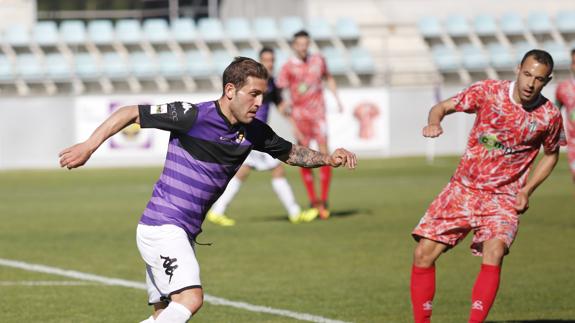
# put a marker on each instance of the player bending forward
(208, 143)
(489, 189)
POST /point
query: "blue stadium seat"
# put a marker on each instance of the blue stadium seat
(429, 27)
(17, 36)
(238, 29)
(457, 26)
(198, 64)
(73, 32)
(6, 71)
(170, 65)
(184, 30)
(500, 57)
(265, 29)
(85, 66)
(45, 33)
(346, 29)
(473, 58)
(57, 67)
(565, 21)
(445, 58)
(249, 52)
(290, 25)
(221, 59)
(211, 30)
(319, 29)
(361, 60)
(142, 65)
(539, 22)
(520, 49)
(485, 25)
(29, 67)
(114, 66)
(511, 24)
(156, 31)
(561, 55)
(335, 59)
(128, 31)
(101, 32)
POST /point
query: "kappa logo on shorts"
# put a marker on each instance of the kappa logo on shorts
(169, 266)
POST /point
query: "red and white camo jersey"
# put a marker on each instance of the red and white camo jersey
(565, 94)
(505, 138)
(304, 79)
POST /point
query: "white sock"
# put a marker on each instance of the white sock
(149, 320)
(285, 194)
(231, 190)
(174, 313)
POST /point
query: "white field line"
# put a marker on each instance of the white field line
(138, 285)
(46, 283)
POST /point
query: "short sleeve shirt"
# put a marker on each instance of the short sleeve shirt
(304, 79)
(565, 95)
(505, 138)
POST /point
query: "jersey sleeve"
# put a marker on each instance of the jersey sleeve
(266, 140)
(555, 136)
(471, 99)
(175, 116)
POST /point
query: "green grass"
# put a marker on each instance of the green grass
(353, 267)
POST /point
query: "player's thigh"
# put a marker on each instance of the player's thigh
(446, 220)
(498, 220)
(170, 257)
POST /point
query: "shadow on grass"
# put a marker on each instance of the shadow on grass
(334, 213)
(534, 321)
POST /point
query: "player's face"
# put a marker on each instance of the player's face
(531, 78)
(267, 59)
(300, 46)
(247, 100)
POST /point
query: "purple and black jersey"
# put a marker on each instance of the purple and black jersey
(204, 153)
(273, 94)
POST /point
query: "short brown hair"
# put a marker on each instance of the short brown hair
(238, 71)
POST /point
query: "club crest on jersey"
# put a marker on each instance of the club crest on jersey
(158, 109)
(532, 126)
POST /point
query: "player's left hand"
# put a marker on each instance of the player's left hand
(342, 157)
(75, 156)
(522, 202)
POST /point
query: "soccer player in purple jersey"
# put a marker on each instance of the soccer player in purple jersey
(208, 143)
(261, 162)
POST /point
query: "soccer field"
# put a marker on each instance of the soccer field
(353, 267)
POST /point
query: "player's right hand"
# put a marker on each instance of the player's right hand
(432, 131)
(75, 156)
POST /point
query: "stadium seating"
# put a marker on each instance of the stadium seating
(103, 49)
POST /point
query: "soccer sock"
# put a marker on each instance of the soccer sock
(307, 177)
(149, 320)
(231, 190)
(285, 194)
(325, 179)
(422, 292)
(484, 292)
(174, 313)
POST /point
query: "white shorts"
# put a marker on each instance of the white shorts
(171, 264)
(261, 161)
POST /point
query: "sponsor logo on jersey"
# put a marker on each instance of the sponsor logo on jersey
(158, 109)
(490, 142)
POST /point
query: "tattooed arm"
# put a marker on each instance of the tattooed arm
(309, 158)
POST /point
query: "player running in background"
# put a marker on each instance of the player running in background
(303, 76)
(490, 187)
(565, 97)
(261, 161)
(208, 143)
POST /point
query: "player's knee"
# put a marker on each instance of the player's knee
(423, 257)
(192, 299)
(494, 254)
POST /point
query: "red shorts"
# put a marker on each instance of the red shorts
(311, 129)
(458, 210)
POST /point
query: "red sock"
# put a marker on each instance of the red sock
(422, 292)
(324, 179)
(484, 292)
(307, 177)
